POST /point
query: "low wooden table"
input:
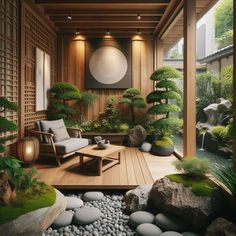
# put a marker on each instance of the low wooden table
(93, 152)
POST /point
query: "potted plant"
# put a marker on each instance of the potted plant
(133, 98)
(163, 109)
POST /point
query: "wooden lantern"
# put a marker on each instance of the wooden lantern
(28, 149)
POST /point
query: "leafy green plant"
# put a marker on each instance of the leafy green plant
(59, 107)
(194, 167)
(87, 99)
(223, 19)
(5, 124)
(133, 98)
(226, 176)
(166, 91)
(164, 142)
(227, 83)
(124, 127)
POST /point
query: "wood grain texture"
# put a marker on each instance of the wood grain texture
(131, 172)
(71, 68)
(234, 86)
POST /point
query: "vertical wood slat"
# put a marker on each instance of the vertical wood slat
(189, 77)
(234, 83)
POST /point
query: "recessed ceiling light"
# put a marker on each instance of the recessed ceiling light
(138, 17)
(69, 17)
(108, 32)
(139, 31)
(77, 31)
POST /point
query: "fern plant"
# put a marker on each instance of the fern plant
(59, 107)
(166, 90)
(133, 98)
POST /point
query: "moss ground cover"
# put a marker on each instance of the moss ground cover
(38, 196)
(199, 186)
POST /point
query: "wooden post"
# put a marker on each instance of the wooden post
(189, 78)
(234, 84)
(159, 53)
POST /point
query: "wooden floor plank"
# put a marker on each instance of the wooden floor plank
(136, 168)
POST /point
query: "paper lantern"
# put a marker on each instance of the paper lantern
(28, 149)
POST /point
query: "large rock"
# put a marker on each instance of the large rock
(141, 217)
(221, 227)
(35, 222)
(137, 199)
(137, 136)
(175, 198)
(87, 215)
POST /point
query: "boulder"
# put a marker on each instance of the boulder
(35, 222)
(146, 147)
(137, 136)
(221, 227)
(137, 199)
(141, 217)
(175, 198)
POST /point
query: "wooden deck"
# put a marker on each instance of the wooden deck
(136, 168)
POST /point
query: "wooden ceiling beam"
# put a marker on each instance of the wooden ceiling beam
(105, 25)
(105, 19)
(156, 2)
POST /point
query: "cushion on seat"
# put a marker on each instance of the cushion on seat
(38, 128)
(71, 145)
(47, 124)
(60, 133)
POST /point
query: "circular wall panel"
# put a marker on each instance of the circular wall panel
(108, 65)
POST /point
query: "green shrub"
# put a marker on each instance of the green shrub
(124, 127)
(226, 176)
(218, 130)
(194, 167)
(164, 142)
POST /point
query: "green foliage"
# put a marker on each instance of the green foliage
(133, 98)
(124, 127)
(223, 18)
(218, 130)
(176, 55)
(226, 176)
(164, 142)
(194, 167)
(200, 187)
(166, 90)
(61, 94)
(164, 73)
(227, 83)
(37, 196)
(20, 179)
(5, 124)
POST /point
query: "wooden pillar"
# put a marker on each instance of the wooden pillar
(234, 85)
(21, 96)
(189, 78)
(159, 53)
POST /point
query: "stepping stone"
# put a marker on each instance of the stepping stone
(171, 233)
(147, 229)
(73, 202)
(64, 219)
(93, 196)
(87, 215)
(170, 222)
(140, 217)
(190, 234)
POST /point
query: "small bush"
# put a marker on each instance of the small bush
(218, 130)
(124, 127)
(195, 167)
(164, 142)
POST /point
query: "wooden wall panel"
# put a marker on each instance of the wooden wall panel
(9, 54)
(71, 68)
(36, 34)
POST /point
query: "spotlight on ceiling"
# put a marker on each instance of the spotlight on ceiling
(77, 31)
(139, 31)
(69, 17)
(108, 32)
(138, 17)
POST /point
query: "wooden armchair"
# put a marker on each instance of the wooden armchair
(59, 149)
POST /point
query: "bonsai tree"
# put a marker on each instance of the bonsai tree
(133, 98)
(59, 108)
(86, 99)
(166, 90)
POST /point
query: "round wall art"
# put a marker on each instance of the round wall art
(108, 65)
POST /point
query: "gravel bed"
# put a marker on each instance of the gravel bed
(113, 221)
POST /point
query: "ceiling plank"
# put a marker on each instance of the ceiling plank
(105, 19)
(105, 25)
(109, 12)
(156, 2)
